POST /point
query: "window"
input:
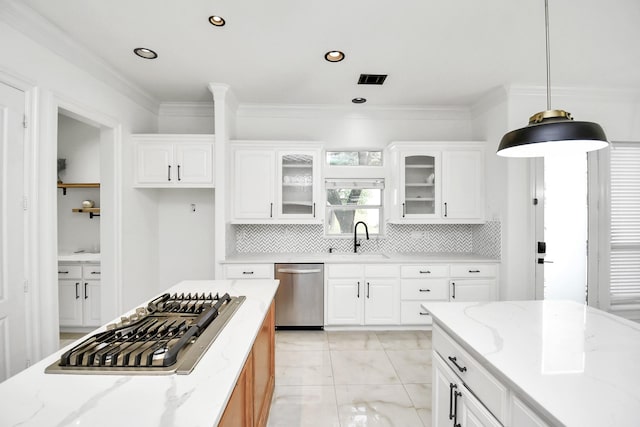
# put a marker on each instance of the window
(350, 201)
(354, 158)
(625, 225)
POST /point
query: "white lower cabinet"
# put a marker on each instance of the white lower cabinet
(418, 284)
(362, 294)
(248, 271)
(474, 282)
(523, 416)
(79, 294)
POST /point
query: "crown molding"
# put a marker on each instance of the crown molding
(489, 100)
(28, 22)
(354, 112)
(189, 109)
(578, 93)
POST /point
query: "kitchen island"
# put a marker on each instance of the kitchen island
(534, 363)
(33, 398)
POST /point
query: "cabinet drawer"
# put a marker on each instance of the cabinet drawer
(484, 385)
(345, 271)
(373, 270)
(91, 271)
(69, 271)
(249, 271)
(424, 289)
(426, 270)
(412, 314)
(474, 270)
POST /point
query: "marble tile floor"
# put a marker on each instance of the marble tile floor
(352, 379)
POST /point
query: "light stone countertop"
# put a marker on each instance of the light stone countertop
(577, 364)
(352, 258)
(33, 398)
(79, 257)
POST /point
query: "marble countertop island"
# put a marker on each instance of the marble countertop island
(33, 398)
(577, 365)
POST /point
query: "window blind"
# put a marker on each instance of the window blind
(625, 223)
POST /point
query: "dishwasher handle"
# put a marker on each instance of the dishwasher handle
(296, 271)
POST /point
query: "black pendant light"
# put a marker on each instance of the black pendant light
(552, 132)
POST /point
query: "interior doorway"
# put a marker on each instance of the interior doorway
(562, 224)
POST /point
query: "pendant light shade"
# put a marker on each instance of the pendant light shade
(552, 132)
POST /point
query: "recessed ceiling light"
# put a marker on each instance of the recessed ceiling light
(334, 56)
(145, 53)
(216, 20)
(359, 100)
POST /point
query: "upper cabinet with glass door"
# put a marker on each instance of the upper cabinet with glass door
(276, 182)
(436, 182)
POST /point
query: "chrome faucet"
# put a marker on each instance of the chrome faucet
(355, 235)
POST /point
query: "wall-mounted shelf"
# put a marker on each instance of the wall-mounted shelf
(65, 185)
(91, 211)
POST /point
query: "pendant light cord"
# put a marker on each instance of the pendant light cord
(548, 49)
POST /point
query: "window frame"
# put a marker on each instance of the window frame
(329, 209)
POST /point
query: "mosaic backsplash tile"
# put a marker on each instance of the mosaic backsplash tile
(483, 239)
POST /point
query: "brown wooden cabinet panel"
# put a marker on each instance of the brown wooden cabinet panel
(250, 401)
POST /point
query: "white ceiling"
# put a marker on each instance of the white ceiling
(435, 52)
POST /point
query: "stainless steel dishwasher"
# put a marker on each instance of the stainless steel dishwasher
(300, 297)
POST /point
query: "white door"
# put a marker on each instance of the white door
(13, 346)
(298, 183)
(419, 186)
(471, 413)
(444, 386)
(561, 228)
(194, 163)
(462, 179)
(155, 162)
(473, 290)
(344, 305)
(253, 184)
(91, 303)
(381, 302)
(70, 302)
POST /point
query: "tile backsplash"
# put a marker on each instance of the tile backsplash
(482, 239)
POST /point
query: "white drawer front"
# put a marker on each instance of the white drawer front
(373, 270)
(474, 270)
(412, 314)
(69, 271)
(249, 271)
(91, 271)
(424, 289)
(425, 270)
(344, 271)
(484, 385)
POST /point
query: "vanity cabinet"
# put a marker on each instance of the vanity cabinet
(436, 182)
(276, 183)
(171, 161)
(362, 294)
(79, 294)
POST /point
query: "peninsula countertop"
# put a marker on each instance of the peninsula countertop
(33, 398)
(578, 365)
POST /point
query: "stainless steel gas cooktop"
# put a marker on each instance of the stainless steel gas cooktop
(169, 336)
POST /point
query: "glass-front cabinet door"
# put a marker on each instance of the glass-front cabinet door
(420, 185)
(298, 183)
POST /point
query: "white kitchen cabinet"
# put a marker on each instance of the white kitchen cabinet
(362, 294)
(79, 294)
(276, 182)
(248, 271)
(436, 182)
(522, 415)
(474, 282)
(420, 283)
(171, 161)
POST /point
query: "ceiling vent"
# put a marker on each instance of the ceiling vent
(371, 79)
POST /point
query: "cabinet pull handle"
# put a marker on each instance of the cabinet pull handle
(456, 394)
(271, 210)
(77, 295)
(314, 210)
(454, 360)
(451, 388)
(63, 272)
(247, 272)
(424, 313)
(453, 287)
(403, 210)
(358, 294)
(178, 172)
(169, 173)
(425, 271)
(95, 272)
(445, 209)
(85, 290)
(368, 285)
(424, 290)
(474, 271)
